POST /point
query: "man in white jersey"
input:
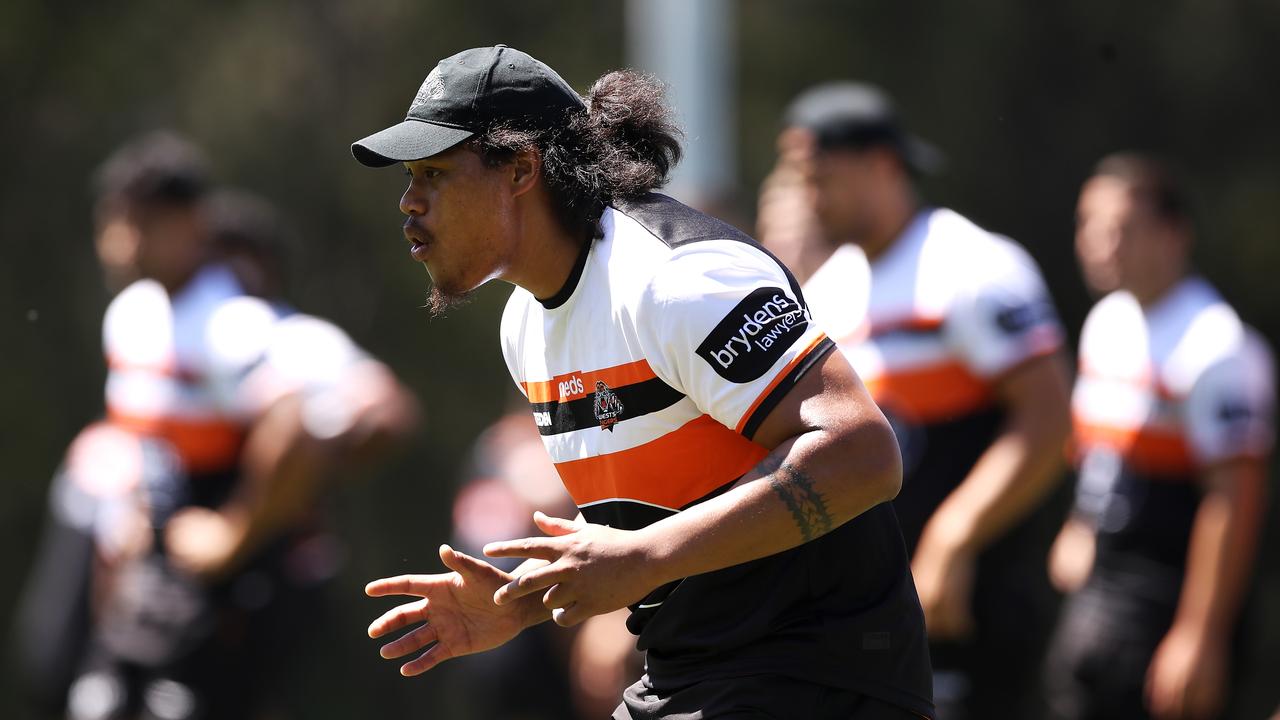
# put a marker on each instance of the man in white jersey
(953, 331)
(1173, 430)
(223, 412)
(730, 471)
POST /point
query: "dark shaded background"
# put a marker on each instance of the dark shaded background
(1024, 97)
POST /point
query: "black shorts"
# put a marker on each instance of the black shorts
(1097, 661)
(759, 697)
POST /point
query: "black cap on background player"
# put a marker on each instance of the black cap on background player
(856, 115)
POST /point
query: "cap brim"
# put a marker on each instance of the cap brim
(923, 156)
(408, 141)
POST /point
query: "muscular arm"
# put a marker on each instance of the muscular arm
(283, 467)
(1020, 466)
(1223, 540)
(1188, 672)
(833, 457)
(1010, 478)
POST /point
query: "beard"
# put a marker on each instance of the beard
(441, 300)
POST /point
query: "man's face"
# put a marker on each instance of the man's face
(1119, 238)
(843, 183)
(164, 243)
(459, 218)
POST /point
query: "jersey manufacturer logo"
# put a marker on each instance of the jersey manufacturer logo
(754, 335)
(569, 388)
(542, 418)
(607, 406)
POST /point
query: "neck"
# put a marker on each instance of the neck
(547, 253)
(895, 215)
(178, 278)
(1151, 293)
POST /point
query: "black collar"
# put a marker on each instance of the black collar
(570, 283)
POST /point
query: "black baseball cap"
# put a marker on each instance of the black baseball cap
(464, 94)
(852, 114)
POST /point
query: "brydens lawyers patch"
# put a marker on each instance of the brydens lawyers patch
(754, 335)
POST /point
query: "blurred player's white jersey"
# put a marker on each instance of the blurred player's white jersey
(195, 368)
(644, 394)
(937, 317)
(1173, 387)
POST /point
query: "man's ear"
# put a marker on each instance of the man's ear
(526, 168)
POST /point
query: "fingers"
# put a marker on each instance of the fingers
(530, 582)
(398, 585)
(554, 526)
(462, 563)
(434, 655)
(540, 548)
(398, 617)
(568, 616)
(409, 642)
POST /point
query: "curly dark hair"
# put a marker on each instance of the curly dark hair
(156, 168)
(622, 146)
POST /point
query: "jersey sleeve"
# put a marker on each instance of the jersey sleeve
(237, 337)
(722, 323)
(1005, 318)
(1229, 412)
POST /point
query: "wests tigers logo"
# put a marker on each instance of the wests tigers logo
(606, 406)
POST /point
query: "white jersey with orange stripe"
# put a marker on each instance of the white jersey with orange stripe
(647, 375)
(1175, 386)
(1162, 393)
(945, 310)
(197, 367)
(647, 378)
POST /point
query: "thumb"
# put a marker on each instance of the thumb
(554, 525)
(462, 563)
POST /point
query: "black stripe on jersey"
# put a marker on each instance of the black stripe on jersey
(631, 515)
(677, 224)
(782, 388)
(637, 399)
(625, 514)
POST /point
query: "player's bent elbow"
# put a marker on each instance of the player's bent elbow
(876, 456)
(891, 474)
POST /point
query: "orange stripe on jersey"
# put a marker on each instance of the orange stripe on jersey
(1155, 451)
(909, 324)
(931, 394)
(578, 384)
(782, 375)
(671, 471)
(203, 445)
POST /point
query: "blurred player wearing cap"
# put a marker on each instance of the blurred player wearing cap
(1173, 430)
(953, 331)
(730, 471)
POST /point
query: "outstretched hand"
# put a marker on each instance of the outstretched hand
(591, 570)
(457, 612)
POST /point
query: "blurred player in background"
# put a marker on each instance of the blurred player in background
(197, 493)
(1173, 430)
(786, 223)
(953, 331)
(730, 471)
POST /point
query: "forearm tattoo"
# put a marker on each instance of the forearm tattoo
(797, 490)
